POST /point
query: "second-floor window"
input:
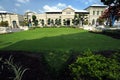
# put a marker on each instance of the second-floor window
(101, 12)
(93, 12)
(97, 12)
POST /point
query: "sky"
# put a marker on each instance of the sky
(41, 6)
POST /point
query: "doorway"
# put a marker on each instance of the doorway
(68, 22)
(15, 24)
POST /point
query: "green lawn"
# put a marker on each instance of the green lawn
(56, 43)
(57, 39)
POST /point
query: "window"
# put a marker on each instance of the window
(68, 12)
(93, 12)
(101, 12)
(97, 12)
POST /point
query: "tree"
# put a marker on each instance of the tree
(34, 20)
(75, 20)
(58, 22)
(113, 11)
(64, 22)
(100, 21)
(109, 2)
(78, 19)
(42, 22)
(4, 23)
(49, 21)
(52, 22)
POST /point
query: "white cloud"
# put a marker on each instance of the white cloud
(58, 7)
(23, 1)
(17, 4)
(90, 1)
(61, 5)
(1, 8)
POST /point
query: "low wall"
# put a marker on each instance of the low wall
(4, 30)
(8, 29)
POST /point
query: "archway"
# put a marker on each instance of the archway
(68, 22)
(14, 24)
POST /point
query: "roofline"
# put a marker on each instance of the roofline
(95, 6)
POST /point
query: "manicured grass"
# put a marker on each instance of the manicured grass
(56, 43)
(57, 39)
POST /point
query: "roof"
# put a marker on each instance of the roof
(82, 11)
(5, 12)
(55, 11)
(96, 5)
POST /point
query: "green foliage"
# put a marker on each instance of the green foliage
(34, 20)
(42, 22)
(58, 21)
(18, 70)
(24, 23)
(64, 22)
(49, 21)
(4, 23)
(100, 21)
(107, 2)
(90, 66)
(85, 22)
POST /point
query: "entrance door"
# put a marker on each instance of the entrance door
(68, 22)
(14, 24)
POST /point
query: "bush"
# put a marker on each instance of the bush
(4, 23)
(90, 66)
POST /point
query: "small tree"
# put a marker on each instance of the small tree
(42, 22)
(100, 21)
(4, 23)
(52, 22)
(113, 10)
(64, 22)
(34, 20)
(49, 21)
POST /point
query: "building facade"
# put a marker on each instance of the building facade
(14, 20)
(90, 14)
(65, 17)
(95, 11)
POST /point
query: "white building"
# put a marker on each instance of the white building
(14, 20)
(95, 12)
(92, 14)
(66, 16)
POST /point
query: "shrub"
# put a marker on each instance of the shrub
(4, 23)
(90, 66)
